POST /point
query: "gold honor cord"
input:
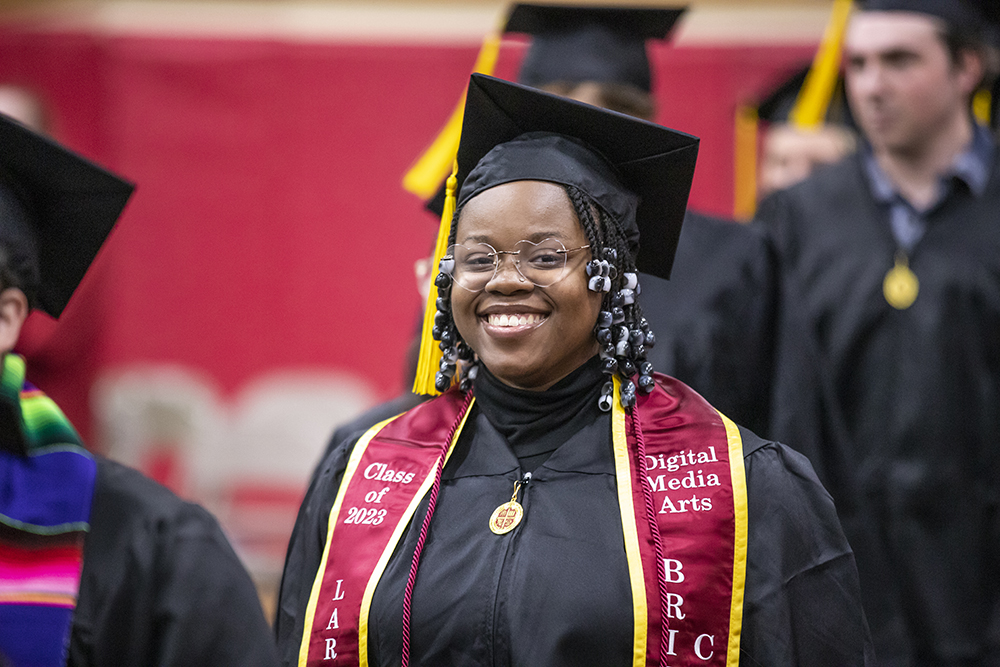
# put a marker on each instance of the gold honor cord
(900, 285)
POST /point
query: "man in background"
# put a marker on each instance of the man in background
(892, 259)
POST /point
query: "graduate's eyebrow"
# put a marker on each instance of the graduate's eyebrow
(535, 237)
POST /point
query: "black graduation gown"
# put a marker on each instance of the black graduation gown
(714, 319)
(160, 584)
(555, 591)
(906, 404)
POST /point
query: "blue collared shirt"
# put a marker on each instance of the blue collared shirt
(971, 167)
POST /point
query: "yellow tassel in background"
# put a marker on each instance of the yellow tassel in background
(429, 359)
(745, 156)
(425, 176)
(814, 99)
(809, 112)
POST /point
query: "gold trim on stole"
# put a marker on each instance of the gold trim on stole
(623, 475)
(352, 467)
(737, 468)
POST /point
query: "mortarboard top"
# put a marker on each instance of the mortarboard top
(57, 204)
(779, 104)
(965, 15)
(653, 162)
(776, 107)
(589, 43)
(573, 44)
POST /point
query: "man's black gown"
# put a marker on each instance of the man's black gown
(714, 319)
(901, 407)
(555, 591)
(160, 584)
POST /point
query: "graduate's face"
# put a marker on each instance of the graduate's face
(548, 331)
(903, 85)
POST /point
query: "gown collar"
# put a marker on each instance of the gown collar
(528, 427)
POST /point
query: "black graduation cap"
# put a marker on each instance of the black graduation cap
(779, 103)
(637, 171)
(588, 43)
(56, 210)
(965, 15)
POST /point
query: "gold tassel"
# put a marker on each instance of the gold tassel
(745, 159)
(814, 99)
(425, 176)
(429, 360)
(809, 112)
(981, 103)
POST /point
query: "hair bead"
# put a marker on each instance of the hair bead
(447, 265)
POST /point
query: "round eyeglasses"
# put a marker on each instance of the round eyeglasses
(472, 266)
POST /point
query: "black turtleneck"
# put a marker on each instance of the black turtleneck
(535, 423)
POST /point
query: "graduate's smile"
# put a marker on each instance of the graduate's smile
(510, 320)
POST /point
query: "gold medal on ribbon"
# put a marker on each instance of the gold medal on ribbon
(900, 285)
(506, 517)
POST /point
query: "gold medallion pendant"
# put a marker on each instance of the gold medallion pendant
(900, 285)
(506, 517)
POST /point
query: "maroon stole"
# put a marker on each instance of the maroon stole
(694, 465)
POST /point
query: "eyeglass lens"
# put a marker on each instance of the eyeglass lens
(542, 263)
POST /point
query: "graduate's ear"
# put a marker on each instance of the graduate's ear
(13, 313)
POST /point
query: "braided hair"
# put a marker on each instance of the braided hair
(621, 330)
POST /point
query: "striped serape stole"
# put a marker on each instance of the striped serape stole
(46, 490)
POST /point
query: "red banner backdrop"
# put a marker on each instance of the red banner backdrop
(269, 229)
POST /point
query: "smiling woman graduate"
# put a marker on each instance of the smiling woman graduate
(561, 504)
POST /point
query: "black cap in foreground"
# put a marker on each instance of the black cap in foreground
(587, 43)
(56, 210)
(638, 172)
